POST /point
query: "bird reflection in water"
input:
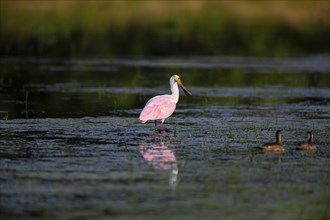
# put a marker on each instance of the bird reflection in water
(157, 151)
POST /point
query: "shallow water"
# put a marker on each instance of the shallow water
(71, 145)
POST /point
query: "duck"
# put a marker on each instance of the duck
(274, 147)
(308, 146)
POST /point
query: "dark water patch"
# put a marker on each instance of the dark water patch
(101, 102)
(31, 91)
(319, 63)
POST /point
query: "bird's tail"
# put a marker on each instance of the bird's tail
(259, 147)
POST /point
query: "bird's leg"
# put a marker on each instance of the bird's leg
(161, 124)
(155, 125)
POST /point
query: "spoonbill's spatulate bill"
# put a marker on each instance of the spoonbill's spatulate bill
(162, 106)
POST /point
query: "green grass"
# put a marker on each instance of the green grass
(147, 28)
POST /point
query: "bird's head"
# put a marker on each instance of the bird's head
(176, 79)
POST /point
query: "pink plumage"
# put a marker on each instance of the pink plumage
(162, 106)
(158, 107)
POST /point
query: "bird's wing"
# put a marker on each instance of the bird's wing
(158, 107)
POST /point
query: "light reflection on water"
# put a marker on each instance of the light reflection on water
(158, 152)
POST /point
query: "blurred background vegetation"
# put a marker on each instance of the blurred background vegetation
(74, 28)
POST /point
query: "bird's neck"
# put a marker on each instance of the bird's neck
(309, 137)
(175, 92)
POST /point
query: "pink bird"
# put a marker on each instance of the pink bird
(162, 106)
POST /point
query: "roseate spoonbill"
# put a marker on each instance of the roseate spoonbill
(275, 147)
(162, 106)
(309, 146)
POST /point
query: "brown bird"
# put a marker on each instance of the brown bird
(308, 146)
(275, 147)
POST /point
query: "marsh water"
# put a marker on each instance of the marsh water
(72, 147)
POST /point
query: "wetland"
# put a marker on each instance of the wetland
(72, 147)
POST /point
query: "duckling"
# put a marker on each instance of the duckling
(308, 146)
(275, 147)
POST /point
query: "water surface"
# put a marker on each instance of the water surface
(71, 145)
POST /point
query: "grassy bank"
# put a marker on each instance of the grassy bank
(153, 28)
